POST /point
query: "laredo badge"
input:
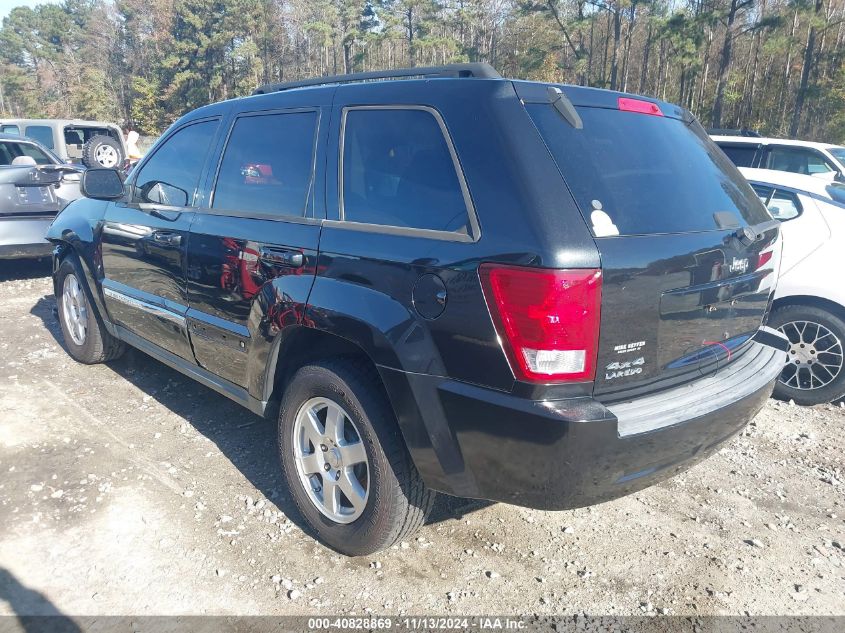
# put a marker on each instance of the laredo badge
(618, 369)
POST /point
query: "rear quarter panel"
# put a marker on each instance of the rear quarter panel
(816, 274)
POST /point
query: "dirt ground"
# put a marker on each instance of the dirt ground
(129, 489)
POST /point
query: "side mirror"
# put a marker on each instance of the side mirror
(159, 192)
(102, 184)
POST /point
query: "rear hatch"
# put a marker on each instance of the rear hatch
(689, 254)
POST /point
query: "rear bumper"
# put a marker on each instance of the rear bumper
(474, 442)
(23, 238)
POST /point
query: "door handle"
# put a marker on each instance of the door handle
(292, 259)
(170, 239)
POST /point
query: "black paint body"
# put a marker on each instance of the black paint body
(221, 300)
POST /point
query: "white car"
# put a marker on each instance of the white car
(822, 160)
(809, 305)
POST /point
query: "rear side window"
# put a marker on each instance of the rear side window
(10, 151)
(740, 155)
(171, 175)
(41, 133)
(648, 174)
(398, 171)
(10, 129)
(267, 164)
(798, 161)
(783, 205)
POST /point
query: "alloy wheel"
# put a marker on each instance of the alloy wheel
(814, 357)
(75, 309)
(331, 460)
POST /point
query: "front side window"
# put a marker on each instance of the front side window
(41, 133)
(171, 175)
(837, 192)
(798, 161)
(267, 164)
(398, 171)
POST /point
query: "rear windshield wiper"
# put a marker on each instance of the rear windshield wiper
(564, 106)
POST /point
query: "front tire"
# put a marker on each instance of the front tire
(86, 338)
(344, 459)
(814, 371)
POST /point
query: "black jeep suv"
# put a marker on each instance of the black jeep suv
(439, 280)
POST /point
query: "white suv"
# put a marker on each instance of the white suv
(809, 305)
(821, 160)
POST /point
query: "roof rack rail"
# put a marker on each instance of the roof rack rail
(478, 70)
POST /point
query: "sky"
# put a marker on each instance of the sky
(7, 5)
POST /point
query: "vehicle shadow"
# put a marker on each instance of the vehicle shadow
(247, 440)
(35, 613)
(19, 269)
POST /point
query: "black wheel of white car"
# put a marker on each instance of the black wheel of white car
(102, 151)
(86, 339)
(815, 369)
(344, 459)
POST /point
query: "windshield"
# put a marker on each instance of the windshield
(649, 174)
(10, 150)
(838, 153)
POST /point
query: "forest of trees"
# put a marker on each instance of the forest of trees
(777, 66)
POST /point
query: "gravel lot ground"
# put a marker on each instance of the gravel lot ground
(129, 489)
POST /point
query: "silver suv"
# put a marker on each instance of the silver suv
(91, 143)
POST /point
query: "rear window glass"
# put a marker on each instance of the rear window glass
(81, 135)
(41, 133)
(645, 174)
(740, 155)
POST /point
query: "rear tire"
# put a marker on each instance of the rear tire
(814, 372)
(395, 501)
(86, 338)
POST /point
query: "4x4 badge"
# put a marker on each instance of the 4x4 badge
(618, 369)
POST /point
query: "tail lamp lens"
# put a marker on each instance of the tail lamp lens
(765, 258)
(548, 320)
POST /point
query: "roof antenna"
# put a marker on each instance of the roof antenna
(564, 106)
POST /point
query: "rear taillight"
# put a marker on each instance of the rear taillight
(627, 104)
(547, 320)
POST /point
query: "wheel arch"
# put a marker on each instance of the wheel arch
(300, 345)
(812, 301)
(73, 233)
